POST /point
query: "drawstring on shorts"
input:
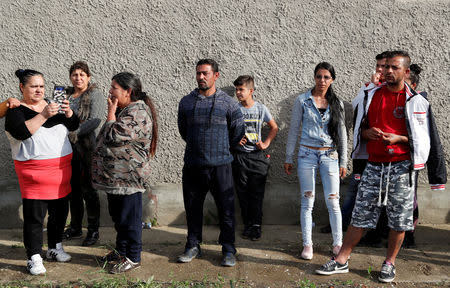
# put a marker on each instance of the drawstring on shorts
(381, 185)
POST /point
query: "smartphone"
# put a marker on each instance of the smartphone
(59, 95)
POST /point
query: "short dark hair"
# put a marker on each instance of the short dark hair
(214, 65)
(400, 53)
(382, 55)
(25, 75)
(414, 73)
(246, 80)
(80, 65)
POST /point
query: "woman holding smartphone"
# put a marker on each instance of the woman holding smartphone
(42, 153)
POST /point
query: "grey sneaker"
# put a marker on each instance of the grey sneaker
(228, 260)
(387, 273)
(332, 267)
(58, 254)
(124, 265)
(189, 254)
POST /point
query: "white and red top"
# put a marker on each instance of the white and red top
(42, 160)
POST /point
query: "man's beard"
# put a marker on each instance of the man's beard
(203, 87)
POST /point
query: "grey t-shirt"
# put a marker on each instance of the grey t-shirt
(254, 117)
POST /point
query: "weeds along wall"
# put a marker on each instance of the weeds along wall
(278, 42)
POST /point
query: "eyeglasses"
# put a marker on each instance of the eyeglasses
(319, 77)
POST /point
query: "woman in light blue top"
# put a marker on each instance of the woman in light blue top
(319, 115)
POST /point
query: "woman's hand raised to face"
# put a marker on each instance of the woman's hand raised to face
(112, 108)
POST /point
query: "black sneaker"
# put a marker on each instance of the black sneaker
(387, 273)
(112, 256)
(332, 267)
(255, 234)
(247, 232)
(71, 233)
(91, 238)
(189, 254)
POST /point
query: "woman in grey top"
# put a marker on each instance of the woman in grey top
(90, 106)
(319, 116)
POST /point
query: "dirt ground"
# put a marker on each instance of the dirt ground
(274, 261)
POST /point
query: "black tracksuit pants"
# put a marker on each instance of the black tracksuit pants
(250, 175)
(82, 190)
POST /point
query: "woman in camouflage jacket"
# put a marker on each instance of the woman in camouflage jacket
(121, 165)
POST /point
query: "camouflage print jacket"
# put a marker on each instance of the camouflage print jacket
(120, 163)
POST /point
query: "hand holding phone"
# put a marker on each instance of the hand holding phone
(59, 95)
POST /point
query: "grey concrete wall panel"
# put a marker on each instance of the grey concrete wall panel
(278, 42)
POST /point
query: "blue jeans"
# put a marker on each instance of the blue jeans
(309, 161)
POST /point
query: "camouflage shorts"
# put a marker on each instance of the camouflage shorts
(400, 200)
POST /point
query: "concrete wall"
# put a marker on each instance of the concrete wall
(279, 42)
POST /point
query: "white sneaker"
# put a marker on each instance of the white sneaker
(307, 252)
(58, 254)
(35, 265)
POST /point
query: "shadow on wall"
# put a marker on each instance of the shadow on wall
(277, 148)
(284, 118)
(11, 204)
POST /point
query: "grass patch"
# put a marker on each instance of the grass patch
(305, 283)
(124, 282)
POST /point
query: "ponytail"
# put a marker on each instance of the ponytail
(143, 96)
(336, 114)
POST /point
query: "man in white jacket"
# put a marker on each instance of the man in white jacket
(395, 128)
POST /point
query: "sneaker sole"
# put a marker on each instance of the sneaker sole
(37, 274)
(386, 280)
(55, 260)
(320, 272)
(188, 260)
(72, 238)
(117, 272)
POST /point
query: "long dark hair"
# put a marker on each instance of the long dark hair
(336, 111)
(127, 81)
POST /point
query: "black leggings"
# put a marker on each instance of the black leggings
(34, 211)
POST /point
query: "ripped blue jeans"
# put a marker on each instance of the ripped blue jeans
(327, 163)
